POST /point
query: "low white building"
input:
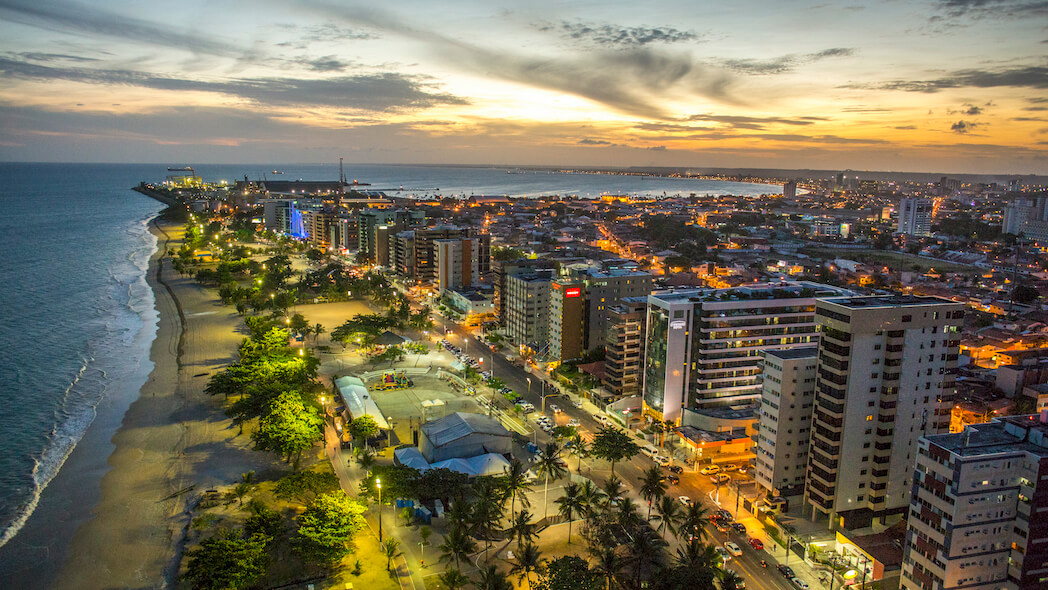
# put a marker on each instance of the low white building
(461, 436)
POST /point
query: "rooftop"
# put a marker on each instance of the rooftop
(794, 353)
(459, 425)
(886, 301)
(1004, 435)
(779, 290)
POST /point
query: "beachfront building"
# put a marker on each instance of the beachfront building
(885, 378)
(462, 262)
(977, 510)
(527, 309)
(624, 347)
(703, 346)
(784, 424)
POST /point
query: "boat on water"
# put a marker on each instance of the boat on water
(278, 172)
(182, 169)
(517, 171)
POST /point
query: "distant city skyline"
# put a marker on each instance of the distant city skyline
(938, 85)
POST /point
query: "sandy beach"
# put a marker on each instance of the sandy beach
(174, 442)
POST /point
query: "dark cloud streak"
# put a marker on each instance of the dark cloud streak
(617, 36)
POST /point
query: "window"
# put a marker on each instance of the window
(907, 318)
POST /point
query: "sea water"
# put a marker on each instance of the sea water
(77, 317)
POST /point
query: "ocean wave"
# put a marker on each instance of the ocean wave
(117, 359)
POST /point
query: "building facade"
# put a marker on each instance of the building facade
(885, 378)
(915, 216)
(624, 347)
(462, 262)
(1027, 216)
(527, 309)
(704, 345)
(567, 320)
(784, 423)
(977, 511)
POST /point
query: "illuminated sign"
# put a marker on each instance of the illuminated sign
(677, 324)
(573, 292)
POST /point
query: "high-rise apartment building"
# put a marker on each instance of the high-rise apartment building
(789, 189)
(503, 269)
(624, 347)
(567, 319)
(369, 220)
(915, 216)
(414, 252)
(784, 424)
(596, 291)
(885, 378)
(704, 345)
(527, 309)
(979, 509)
(462, 262)
(1027, 216)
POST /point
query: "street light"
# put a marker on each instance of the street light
(378, 484)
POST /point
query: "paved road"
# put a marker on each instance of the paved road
(693, 485)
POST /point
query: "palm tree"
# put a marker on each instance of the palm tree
(666, 426)
(699, 556)
(366, 460)
(528, 560)
(612, 488)
(522, 528)
(627, 514)
(669, 515)
(492, 579)
(644, 552)
(391, 549)
(457, 545)
(693, 520)
(731, 581)
(550, 464)
(515, 482)
(570, 505)
(580, 449)
(317, 330)
(590, 496)
(453, 579)
(652, 486)
(609, 564)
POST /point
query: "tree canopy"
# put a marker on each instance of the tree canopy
(227, 561)
(289, 427)
(326, 529)
(614, 445)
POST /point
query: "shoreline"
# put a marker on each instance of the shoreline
(172, 443)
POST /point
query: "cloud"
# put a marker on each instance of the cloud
(963, 126)
(992, 8)
(588, 141)
(972, 110)
(905, 127)
(631, 79)
(328, 63)
(49, 57)
(757, 123)
(783, 64)
(332, 32)
(657, 148)
(74, 17)
(1020, 77)
(617, 36)
(370, 92)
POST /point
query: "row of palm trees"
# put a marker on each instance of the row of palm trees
(624, 547)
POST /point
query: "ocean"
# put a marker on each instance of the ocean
(77, 318)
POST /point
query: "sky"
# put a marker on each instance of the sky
(922, 85)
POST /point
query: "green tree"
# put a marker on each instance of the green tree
(568, 573)
(227, 562)
(521, 528)
(515, 482)
(326, 529)
(669, 515)
(550, 465)
(609, 564)
(457, 546)
(391, 549)
(305, 486)
(580, 448)
(732, 581)
(505, 254)
(692, 521)
(613, 445)
(289, 427)
(1025, 294)
(363, 428)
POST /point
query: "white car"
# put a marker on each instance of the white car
(577, 403)
(733, 548)
(724, 554)
(684, 500)
(729, 467)
(574, 423)
(799, 583)
(661, 460)
(555, 408)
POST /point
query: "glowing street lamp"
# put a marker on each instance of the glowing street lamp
(378, 484)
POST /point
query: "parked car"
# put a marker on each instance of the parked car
(577, 403)
(720, 478)
(757, 544)
(786, 571)
(722, 513)
(741, 584)
(555, 408)
(710, 470)
(799, 583)
(673, 479)
(729, 467)
(733, 548)
(676, 469)
(574, 423)
(684, 500)
(661, 460)
(738, 527)
(722, 526)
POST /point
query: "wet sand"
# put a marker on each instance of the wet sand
(174, 442)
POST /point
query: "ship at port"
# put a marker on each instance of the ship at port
(182, 169)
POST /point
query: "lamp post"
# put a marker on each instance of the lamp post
(528, 379)
(378, 484)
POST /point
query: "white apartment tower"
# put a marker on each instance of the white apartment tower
(915, 216)
(784, 424)
(885, 378)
